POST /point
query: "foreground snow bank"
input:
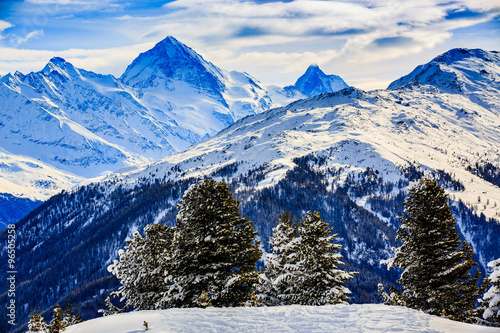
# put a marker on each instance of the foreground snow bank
(333, 318)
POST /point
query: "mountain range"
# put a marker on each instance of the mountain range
(75, 124)
(349, 155)
(449, 123)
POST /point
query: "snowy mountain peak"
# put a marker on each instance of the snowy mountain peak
(314, 69)
(170, 60)
(315, 82)
(60, 66)
(173, 48)
(58, 61)
(455, 55)
(6, 78)
(457, 71)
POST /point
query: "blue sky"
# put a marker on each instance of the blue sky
(369, 43)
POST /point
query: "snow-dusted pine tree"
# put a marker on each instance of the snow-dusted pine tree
(57, 324)
(71, 315)
(142, 269)
(280, 263)
(111, 308)
(393, 297)
(37, 322)
(215, 249)
(317, 279)
(434, 260)
(492, 295)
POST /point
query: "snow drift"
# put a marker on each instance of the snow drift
(333, 318)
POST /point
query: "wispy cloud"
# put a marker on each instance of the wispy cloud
(369, 31)
(362, 24)
(17, 40)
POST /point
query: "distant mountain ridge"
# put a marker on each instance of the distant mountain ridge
(313, 82)
(84, 124)
(449, 71)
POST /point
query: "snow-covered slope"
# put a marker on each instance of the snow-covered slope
(178, 82)
(88, 123)
(473, 73)
(25, 182)
(68, 118)
(334, 318)
(29, 178)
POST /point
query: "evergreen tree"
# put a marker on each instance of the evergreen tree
(435, 262)
(204, 301)
(492, 296)
(392, 298)
(71, 315)
(281, 262)
(111, 309)
(57, 324)
(215, 249)
(142, 269)
(37, 322)
(318, 280)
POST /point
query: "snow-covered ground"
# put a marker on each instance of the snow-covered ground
(333, 318)
(27, 177)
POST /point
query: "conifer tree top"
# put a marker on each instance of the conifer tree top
(303, 267)
(215, 248)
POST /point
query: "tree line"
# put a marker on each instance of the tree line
(209, 258)
(62, 318)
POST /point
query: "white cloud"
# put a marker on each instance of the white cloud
(16, 40)
(247, 24)
(4, 25)
(74, 6)
(105, 61)
(271, 29)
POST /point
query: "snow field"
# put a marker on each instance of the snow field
(294, 318)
